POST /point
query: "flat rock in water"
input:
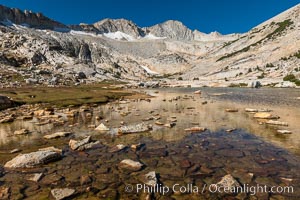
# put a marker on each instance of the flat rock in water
(117, 148)
(102, 127)
(228, 182)
(74, 144)
(284, 131)
(265, 115)
(197, 92)
(52, 148)
(21, 132)
(278, 123)
(35, 177)
(134, 128)
(7, 120)
(83, 144)
(15, 151)
(33, 159)
(170, 125)
(57, 135)
(62, 193)
(257, 110)
(195, 129)
(149, 179)
(130, 165)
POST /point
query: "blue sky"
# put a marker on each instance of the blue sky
(225, 16)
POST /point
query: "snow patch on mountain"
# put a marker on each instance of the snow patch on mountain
(119, 36)
(149, 71)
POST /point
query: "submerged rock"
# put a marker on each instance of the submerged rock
(7, 119)
(170, 125)
(21, 132)
(130, 165)
(57, 135)
(83, 144)
(52, 148)
(62, 193)
(117, 148)
(159, 123)
(195, 129)
(134, 128)
(149, 179)
(279, 123)
(228, 182)
(15, 151)
(102, 127)
(33, 159)
(265, 115)
(257, 110)
(35, 177)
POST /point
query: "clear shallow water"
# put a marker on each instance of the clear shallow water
(252, 148)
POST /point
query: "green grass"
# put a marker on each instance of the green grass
(64, 96)
(297, 54)
(289, 77)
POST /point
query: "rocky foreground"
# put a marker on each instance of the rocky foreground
(90, 164)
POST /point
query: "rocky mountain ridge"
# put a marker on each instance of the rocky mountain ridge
(41, 50)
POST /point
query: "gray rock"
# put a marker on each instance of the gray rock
(83, 144)
(228, 182)
(85, 53)
(255, 84)
(33, 159)
(81, 75)
(150, 179)
(134, 128)
(62, 193)
(31, 81)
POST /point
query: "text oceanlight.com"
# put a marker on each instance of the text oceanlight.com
(213, 188)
